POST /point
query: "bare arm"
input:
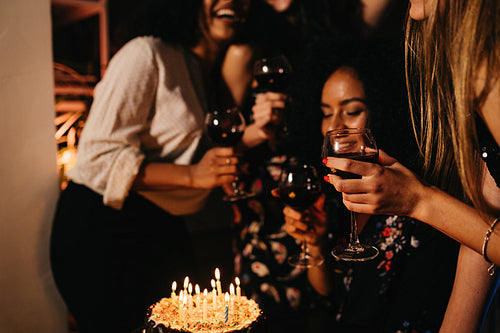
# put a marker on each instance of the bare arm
(390, 188)
(470, 295)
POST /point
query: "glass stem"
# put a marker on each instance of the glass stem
(353, 237)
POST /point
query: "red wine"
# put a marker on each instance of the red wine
(221, 137)
(372, 158)
(273, 82)
(299, 197)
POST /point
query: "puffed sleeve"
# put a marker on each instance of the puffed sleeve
(109, 151)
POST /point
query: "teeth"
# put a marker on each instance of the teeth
(225, 12)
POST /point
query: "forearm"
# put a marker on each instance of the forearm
(254, 135)
(457, 220)
(163, 176)
(321, 277)
(471, 294)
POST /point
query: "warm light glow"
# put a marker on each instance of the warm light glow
(226, 297)
(205, 292)
(190, 288)
(212, 283)
(174, 286)
(231, 289)
(197, 289)
(186, 282)
(237, 280)
(217, 274)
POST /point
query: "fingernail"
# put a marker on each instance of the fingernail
(325, 160)
(327, 179)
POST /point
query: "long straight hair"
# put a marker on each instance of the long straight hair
(444, 55)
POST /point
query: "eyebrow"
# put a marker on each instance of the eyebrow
(347, 101)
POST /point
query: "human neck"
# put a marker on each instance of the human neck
(208, 51)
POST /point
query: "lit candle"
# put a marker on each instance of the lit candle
(214, 294)
(217, 276)
(186, 283)
(238, 289)
(197, 291)
(174, 286)
(184, 301)
(226, 311)
(190, 296)
(205, 296)
(231, 296)
(181, 297)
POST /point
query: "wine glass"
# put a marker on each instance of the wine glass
(225, 128)
(357, 144)
(272, 73)
(300, 187)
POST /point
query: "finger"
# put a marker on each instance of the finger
(227, 169)
(385, 159)
(228, 160)
(226, 179)
(291, 213)
(224, 151)
(350, 186)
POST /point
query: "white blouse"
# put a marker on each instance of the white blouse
(149, 106)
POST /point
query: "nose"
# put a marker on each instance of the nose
(336, 122)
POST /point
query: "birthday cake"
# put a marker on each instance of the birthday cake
(202, 313)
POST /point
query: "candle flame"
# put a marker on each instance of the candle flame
(237, 280)
(212, 283)
(197, 289)
(217, 274)
(190, 288)
(231, 289)
(226, 297)
(174, 286)
(186, 282)
(181, 295)
(205, 292)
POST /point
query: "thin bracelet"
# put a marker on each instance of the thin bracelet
(491, 269)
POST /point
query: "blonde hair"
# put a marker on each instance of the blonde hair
(443, 55)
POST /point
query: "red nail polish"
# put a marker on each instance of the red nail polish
(327, 179)
(325, 160)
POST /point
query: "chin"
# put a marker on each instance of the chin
(418, 10)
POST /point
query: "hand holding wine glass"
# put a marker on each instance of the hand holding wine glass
(357, 144)
(300, 187)
(225, 128)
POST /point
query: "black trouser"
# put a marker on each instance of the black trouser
(110, 265)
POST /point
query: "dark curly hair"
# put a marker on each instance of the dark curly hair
(380, 68)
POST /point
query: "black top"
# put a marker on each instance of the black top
(406, 288)
(489, 150)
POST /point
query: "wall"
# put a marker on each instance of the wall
(28, 176)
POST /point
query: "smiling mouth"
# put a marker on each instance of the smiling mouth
(226, 14)
(345, 146)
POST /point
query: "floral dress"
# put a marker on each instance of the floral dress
(262, 246)
(405, 288)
